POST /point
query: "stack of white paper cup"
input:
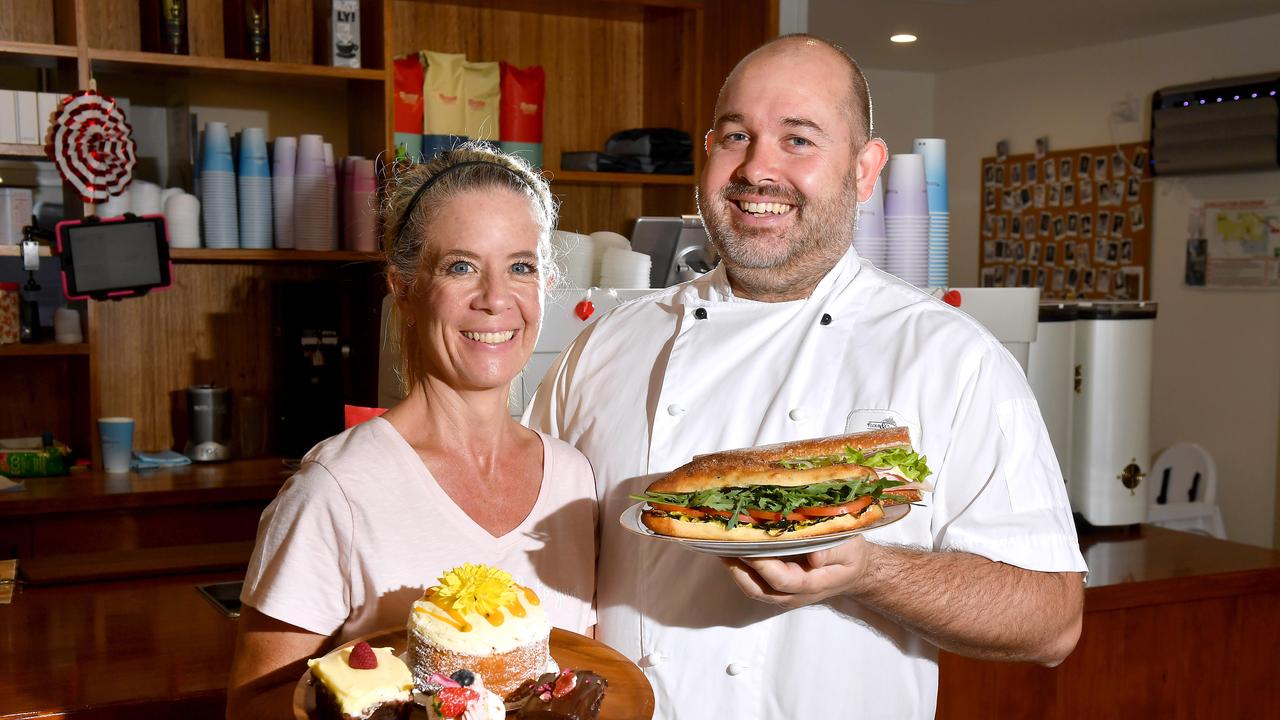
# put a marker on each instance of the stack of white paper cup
(284, 153)
(182, 214)
(906, 219)
(601, 242)
(868, 237)
(574, 253)
(218, 189)
(254, 185)
(311, 206)
(623, 268)
(934, 152)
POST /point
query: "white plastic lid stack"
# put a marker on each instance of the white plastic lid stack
(625, 269)
(574, 254)
(144, 198)
(603, 240)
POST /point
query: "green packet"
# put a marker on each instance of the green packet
(28, 457)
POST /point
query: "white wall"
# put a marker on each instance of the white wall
(902, 106)
(1216, 377)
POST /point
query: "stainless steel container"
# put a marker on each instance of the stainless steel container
(209, 413)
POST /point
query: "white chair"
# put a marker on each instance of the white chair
(1182, 491)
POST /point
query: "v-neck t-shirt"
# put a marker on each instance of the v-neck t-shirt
(362, 528)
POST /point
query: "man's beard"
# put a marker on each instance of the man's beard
(821, 233)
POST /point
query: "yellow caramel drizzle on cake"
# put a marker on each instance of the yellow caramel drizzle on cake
(478, 589)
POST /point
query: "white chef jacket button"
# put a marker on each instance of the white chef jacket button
(798, 414)
(675, 410)
(736, 668)
(700, 313)
(652, 659)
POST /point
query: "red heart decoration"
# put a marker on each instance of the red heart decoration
(952, 298)
(584, 309)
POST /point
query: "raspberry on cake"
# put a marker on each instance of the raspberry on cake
(479, 619)
(362, 683)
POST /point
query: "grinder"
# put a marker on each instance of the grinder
(209, 412)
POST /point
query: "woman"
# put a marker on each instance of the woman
(446, 476)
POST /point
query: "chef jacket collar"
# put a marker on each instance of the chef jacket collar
(714, 287)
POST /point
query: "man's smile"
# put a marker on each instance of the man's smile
(761, 209)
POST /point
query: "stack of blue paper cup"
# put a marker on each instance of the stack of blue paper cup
(254, 185)
(868, 237)
(934, 151)
(218, 189)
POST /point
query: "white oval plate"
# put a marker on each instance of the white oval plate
(630, 519)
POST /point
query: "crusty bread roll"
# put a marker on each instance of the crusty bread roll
(759, 465)
(666, 525)
(762, 466)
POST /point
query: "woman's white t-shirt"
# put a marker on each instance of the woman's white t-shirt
(357, 534)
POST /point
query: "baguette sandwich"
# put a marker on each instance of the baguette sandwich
(801, 489)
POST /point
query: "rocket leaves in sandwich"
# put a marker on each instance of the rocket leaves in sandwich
(772, 498)
(911, 463)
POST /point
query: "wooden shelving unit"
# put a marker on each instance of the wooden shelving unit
(135, 61)
(20, 150)
(44, 349)
(206, 255)
(573, 177)
(16, 250)
(610, 65)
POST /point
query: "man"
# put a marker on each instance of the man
(793, 336)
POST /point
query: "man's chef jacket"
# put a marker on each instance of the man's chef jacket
(692, 369)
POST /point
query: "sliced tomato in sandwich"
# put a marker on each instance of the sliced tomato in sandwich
(678, 510)
(853, 507)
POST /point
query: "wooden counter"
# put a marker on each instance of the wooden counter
(1176, 625)
(93, 525)
(149, 648)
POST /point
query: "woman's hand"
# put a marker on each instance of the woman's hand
(270, 657)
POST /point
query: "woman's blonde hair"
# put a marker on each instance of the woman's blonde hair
(416, 193)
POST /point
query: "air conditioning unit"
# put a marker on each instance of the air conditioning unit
(1219, 126)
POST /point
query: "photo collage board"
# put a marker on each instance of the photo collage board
(1075, 223)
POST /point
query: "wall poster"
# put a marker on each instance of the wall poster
(1238, 245)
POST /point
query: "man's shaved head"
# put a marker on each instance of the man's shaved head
(858, 100)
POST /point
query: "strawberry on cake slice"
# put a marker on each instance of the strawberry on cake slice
(362, 683)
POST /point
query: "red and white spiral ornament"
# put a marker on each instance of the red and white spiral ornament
(92, 144)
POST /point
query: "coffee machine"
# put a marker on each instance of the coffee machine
(209, 415)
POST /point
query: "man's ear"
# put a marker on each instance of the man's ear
(707, 140)
(870, 161)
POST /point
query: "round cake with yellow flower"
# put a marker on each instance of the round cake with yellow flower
(479, 619)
